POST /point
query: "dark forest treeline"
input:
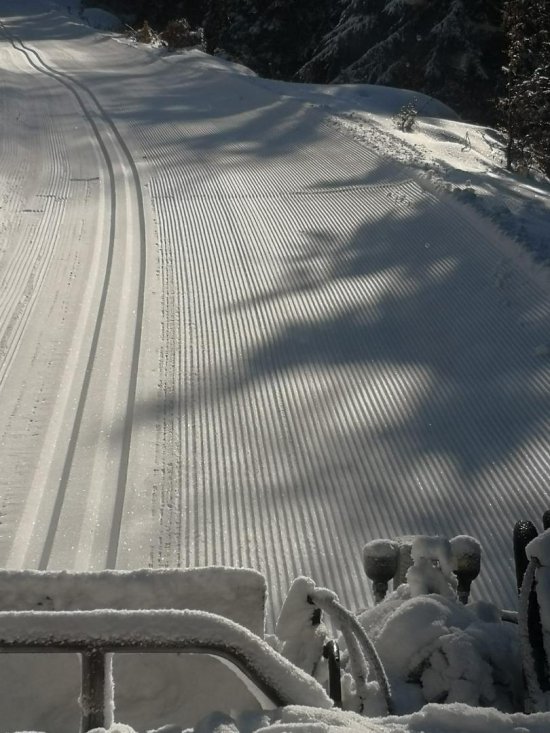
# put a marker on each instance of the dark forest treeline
(451, 49)
(487, 59)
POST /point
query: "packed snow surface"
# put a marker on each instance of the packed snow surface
(249, 323)
(455, 718)
(238, 330)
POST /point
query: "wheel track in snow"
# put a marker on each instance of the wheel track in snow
(104, 141)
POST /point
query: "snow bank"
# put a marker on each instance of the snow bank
(460, 718)
(455, 718)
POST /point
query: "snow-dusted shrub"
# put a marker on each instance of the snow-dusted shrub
(144, 34)
(405, 119)
(178, 34)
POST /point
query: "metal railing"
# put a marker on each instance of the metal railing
(94, 635)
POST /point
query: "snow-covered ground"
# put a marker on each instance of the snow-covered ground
(101, 19)
(454, 718)
(250, 323)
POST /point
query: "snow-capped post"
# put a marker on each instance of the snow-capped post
(299, 627)
(524, 532)
(361, 650)
(466, 556)
(380, 559)
(404, 560)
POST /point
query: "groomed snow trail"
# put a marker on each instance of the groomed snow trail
(328, 352)
(72, 513)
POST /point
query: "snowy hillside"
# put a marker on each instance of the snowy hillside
(251, 323)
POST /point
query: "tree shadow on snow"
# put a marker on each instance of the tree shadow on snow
(404, 350)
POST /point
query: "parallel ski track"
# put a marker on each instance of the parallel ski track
(73, 86)
(220, 245)
(25, 273)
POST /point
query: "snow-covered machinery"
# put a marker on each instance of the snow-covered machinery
(433, 644)
(477, 654)
(214, 611)
(424, 641)
(532, 558)
(204, 611)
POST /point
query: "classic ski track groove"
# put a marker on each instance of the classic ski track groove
(73, 86)
(24, 274)
(33, 259)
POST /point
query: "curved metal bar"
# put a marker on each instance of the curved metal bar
(104, 631)
(345, 618)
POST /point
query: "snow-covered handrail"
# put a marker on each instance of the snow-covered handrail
(93, 634)
(360, 647)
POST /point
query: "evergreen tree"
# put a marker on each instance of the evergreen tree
(215, 24)
(240, 36)
(345, 43)
(159, 12)
(451, 49)
(193, 10)
(526, 103)
(276, 37)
